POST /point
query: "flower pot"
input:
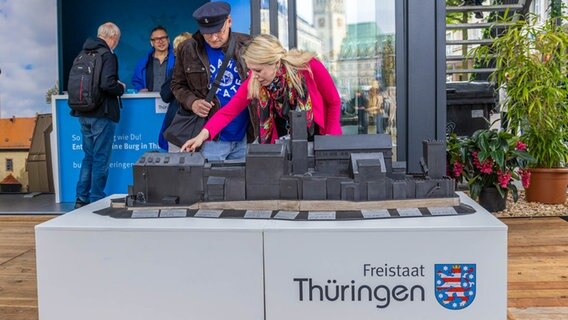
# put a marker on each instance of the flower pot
(547, 185)
(491, 200)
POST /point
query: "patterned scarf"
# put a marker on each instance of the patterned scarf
(276, 100)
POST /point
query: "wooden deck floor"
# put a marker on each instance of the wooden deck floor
(18, 296)
(538, 268)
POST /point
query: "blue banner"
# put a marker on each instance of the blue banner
(136, 133)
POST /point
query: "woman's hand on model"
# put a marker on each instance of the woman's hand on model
(193, 144)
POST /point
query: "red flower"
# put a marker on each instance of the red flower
(525, 177)
(485, 167)
(521, 146)
(476, 162)
(458, 169)
(504, 179)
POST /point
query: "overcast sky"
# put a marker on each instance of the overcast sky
(28, 56)
(381, 11)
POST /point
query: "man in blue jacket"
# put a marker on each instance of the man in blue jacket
(152, 70)
(97, 126)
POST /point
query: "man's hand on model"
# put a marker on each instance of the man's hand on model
(201, 107)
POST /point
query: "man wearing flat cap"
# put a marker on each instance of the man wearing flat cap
(195, 70)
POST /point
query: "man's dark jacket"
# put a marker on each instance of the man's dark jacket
(110, 88)
(191, 75)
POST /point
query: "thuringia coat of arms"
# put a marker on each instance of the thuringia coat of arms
(455, 285)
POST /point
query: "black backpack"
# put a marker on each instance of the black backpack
(84, 79)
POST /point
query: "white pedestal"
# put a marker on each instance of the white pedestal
(341, 255)
(96, 267)
(93, 267)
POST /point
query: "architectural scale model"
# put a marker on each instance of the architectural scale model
(351, 173)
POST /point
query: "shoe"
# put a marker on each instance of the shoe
(80, 203)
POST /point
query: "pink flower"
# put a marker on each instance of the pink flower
(458, 169)
(476, 162)
(525, 177)
(487, 166)
(504, 179)
(521, 146)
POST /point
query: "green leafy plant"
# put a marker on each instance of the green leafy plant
(531, 61)
(489, 158)
(51, 92)
(454, 17)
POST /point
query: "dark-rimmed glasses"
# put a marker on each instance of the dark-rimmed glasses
(164, 38)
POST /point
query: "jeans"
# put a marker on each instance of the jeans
(173, 148)
(363, 124)
(98, 135)
(379, 122)
(225, 150)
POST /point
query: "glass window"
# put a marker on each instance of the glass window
(9, 165)
(356, 42)
(282, 20)
(264, 17)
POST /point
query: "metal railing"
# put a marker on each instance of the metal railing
(469, 43)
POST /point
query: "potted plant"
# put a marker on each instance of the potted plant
(490, 161)
(531, 62)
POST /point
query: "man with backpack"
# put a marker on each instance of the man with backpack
(94, 90)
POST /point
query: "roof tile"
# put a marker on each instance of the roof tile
(16, 133)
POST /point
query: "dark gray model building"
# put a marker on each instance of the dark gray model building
(349, 167)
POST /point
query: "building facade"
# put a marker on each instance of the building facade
(16, 135)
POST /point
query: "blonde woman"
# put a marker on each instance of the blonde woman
(168, 97)
(376, 106)
(279, 81)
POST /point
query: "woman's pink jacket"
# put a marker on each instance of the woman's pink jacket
(326, 103)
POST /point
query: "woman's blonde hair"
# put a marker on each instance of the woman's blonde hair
(267, 49)
(179, 39)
